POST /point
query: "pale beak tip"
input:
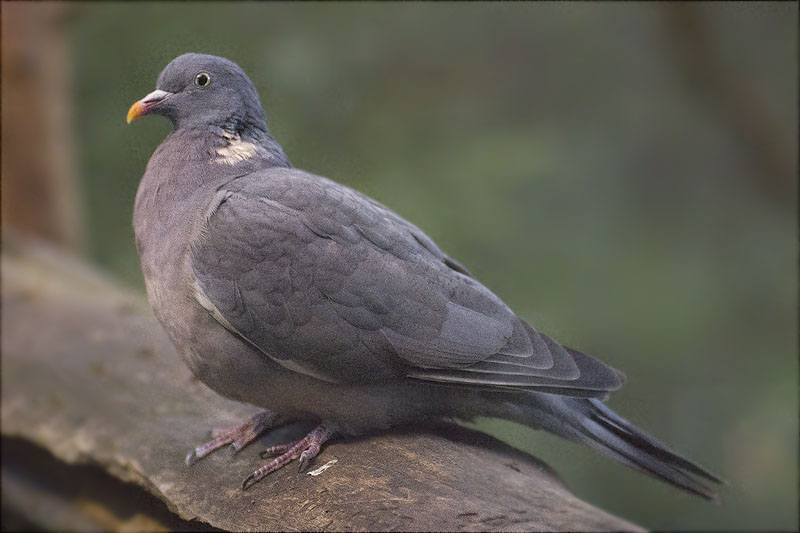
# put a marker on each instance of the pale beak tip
(134, 112)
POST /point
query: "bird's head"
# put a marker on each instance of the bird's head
(197, 90)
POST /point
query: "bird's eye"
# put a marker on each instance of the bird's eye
(202, 79)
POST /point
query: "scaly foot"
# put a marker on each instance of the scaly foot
(237, 436)
(306, 449)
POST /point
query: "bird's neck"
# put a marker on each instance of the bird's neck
(241, 138)
(235, 141)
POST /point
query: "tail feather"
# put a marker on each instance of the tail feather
(590, 422)
(630, 451)
(646, 442)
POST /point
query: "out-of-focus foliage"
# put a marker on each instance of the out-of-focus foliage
(562, 154)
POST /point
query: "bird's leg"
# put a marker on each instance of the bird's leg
(306, 449)
(237, 436)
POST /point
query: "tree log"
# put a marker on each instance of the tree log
(90, 376)
(41, 191)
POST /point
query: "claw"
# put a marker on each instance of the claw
(304, 460)
(191, 457)
(246, 485)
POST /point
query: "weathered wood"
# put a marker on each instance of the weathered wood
(88, 374)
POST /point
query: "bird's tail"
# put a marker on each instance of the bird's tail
(590, 422)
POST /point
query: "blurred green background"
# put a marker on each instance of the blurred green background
(623, 175)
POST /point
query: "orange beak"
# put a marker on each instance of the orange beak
(143, 106)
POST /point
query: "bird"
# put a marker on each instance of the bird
(312, 301)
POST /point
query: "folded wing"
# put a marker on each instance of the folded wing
(328, 282)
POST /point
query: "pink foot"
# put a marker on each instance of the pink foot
(237, 436)
(306, 449)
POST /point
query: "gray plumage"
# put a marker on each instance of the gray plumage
(297, 294)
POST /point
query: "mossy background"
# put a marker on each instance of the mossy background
(564, 155)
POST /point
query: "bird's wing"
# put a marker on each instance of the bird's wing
(328, 282)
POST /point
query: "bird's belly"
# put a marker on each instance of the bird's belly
(235, 369)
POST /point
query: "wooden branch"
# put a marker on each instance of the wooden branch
(89, 375)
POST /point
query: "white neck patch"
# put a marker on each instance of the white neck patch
(236, 150)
